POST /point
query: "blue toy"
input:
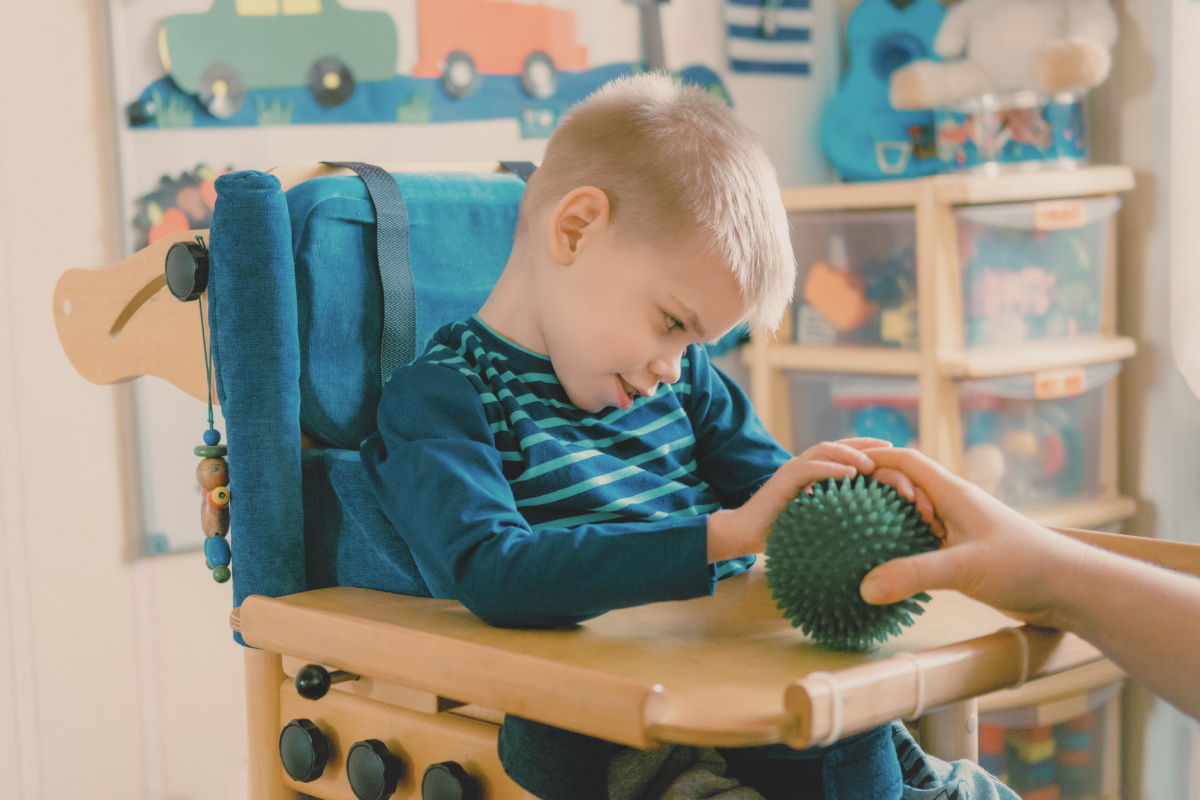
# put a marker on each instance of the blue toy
(882, 422)
(864, 137)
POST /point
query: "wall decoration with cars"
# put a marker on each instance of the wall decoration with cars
(279, 62)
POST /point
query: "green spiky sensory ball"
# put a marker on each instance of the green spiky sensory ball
(824, 544)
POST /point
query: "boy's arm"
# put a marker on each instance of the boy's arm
(734, 451)
(1142, 617)
(437, 474)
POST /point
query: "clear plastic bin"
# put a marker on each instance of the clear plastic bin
(856, 281)
(1064, 760)
(1033, 271)
(1030, 440)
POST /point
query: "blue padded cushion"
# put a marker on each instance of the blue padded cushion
(295, 342)
(252, 317)
(348, 541)
(461, 228)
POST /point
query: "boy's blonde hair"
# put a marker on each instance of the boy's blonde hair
(674, 160)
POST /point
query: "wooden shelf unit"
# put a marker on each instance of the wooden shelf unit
(942, 358)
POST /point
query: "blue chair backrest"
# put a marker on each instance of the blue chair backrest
(295, 312)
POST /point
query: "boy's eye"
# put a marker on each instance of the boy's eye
(673, 323)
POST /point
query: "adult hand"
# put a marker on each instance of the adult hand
(993, 553)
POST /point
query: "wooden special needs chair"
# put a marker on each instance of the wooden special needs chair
(302, 326)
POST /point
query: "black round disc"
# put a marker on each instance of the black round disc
(460, 77)
(446, 781)
(539, 77)
(187, 270)
(330, 81)
(373, 770)
(303, 750)
(222, 90)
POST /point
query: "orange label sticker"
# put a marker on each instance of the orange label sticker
(1054, 383)
(1057, 215)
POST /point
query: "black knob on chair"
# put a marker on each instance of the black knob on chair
(447, 781)
(313, 681)
(373, 770)
(187, 270)
(303, 750)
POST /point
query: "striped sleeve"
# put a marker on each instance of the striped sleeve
(734, 451)
(439, 477)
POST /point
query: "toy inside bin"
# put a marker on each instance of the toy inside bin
(828, 406)
(1051, 760)
(856, 281)
(1033, 271)
(1021, 131)
(1031, 440)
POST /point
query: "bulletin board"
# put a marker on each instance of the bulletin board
(206, 86)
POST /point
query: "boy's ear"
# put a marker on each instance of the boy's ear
(578, 218)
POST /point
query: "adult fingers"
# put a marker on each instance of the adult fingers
(925, 509)
(901, 578)
(840, 453)
(926, 474)
(897, 480)
(864, 442)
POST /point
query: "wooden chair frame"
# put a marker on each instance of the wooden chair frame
(434, 681)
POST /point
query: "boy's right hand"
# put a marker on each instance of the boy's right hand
(737, 532)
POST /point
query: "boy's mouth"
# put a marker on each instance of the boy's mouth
(630, 391)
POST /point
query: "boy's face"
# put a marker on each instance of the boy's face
(619, 317)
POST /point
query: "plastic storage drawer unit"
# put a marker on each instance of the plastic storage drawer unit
(1031, 440)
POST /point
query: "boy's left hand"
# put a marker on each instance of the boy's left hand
(741, 531)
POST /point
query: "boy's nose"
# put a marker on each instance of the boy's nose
(666, 368)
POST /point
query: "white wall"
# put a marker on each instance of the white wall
(117, 679)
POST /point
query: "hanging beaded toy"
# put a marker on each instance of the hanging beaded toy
(213, 476)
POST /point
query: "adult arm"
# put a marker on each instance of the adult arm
(1145, 618)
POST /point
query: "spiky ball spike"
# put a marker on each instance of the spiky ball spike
(823, 545)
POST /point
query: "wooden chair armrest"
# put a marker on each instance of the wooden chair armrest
(1179, 556)
(719, 671)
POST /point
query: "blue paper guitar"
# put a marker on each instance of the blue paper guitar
(865, 139)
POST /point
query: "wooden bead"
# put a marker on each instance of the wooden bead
(218, 498)
(211, 473)
(214, 521)
(220, 574)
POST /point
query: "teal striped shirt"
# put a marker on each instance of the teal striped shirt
(535, 512)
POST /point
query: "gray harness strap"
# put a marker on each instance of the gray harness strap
(398, 338)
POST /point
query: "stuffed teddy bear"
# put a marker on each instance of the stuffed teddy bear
(1047, 46)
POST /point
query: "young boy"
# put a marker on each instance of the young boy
(576, 449)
